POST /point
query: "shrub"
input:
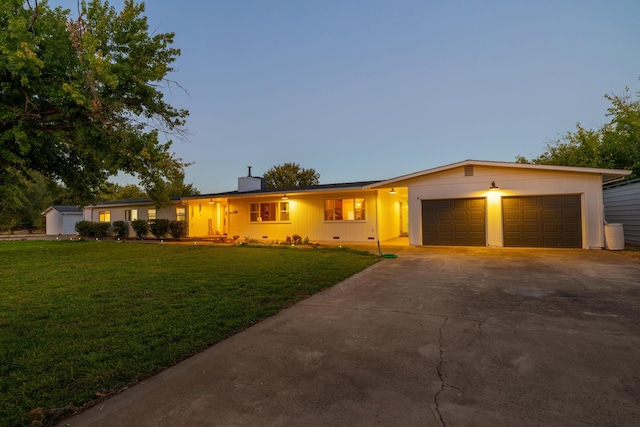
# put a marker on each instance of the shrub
(140, 227)
(84, 228)
(177, 229)
(120, 229)
(160, 228)
(101, 229)
(92, 229)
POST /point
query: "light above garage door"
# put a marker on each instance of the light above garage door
(542, 221)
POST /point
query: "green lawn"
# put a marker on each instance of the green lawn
(80, 320)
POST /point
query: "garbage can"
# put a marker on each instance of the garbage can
(613, 237)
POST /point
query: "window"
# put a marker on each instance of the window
(344, 210)
(269, 212)
(104, 216)
(130, 214)
(181, 214)
(151, 215)
(284, 211)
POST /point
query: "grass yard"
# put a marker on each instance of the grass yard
(83, 320)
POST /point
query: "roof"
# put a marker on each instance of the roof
(608, 175)
(64, 209)
(131, 202)
(360, 185)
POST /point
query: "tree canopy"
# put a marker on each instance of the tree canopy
(290, 175)
(616, 144)
(81, 99)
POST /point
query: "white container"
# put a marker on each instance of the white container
(613, 237)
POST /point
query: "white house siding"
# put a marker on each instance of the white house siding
(54, 224)
(622, 205)
(61, 222)
(306, 219)
(453, 184)
(92, 213)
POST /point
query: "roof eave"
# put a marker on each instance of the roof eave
(614, 174)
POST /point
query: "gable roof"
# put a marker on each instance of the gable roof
(64, 209)
(608, 175)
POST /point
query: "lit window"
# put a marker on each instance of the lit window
(284, 211)
(151, 215)
(181, 214)
(344, 210)
(104, 216)
(130, 214)
(271, 212)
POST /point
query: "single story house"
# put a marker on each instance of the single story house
(130, 210)
(470, 203)
(61, 219)
(622, 206)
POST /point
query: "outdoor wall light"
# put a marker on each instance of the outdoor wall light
(393, 191)
(285, 197)
(211, 201)
(493, 186)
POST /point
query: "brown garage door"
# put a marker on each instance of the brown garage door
(542, 221)
(453, 222)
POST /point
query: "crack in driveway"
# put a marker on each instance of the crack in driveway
(440, 375)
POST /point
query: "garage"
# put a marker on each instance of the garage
(454, 222)
(542, 221)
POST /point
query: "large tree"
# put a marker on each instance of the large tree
(81, 99)
(290, 175)
(616, 144)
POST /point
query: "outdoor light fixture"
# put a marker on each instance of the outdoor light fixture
(211, 201)
(285, 197)
(393, 191)
(493, 186)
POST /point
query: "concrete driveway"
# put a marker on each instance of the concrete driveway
(436, 337)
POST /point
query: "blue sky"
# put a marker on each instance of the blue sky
(362, 90)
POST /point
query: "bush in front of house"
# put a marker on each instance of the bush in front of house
(178, 229)
(120, 229)
(140, 227)
(101, 229)
(93, 229)
(160, 228)
(84, 228)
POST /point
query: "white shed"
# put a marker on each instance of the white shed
(61, 219)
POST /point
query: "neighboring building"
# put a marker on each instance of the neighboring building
(130, 210)
(61, 219)
(622, 206)
(470, 203)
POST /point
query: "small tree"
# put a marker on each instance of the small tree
(160, 227)
(615, 144)
(178, 229)
(140, 227)
(121, 229)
